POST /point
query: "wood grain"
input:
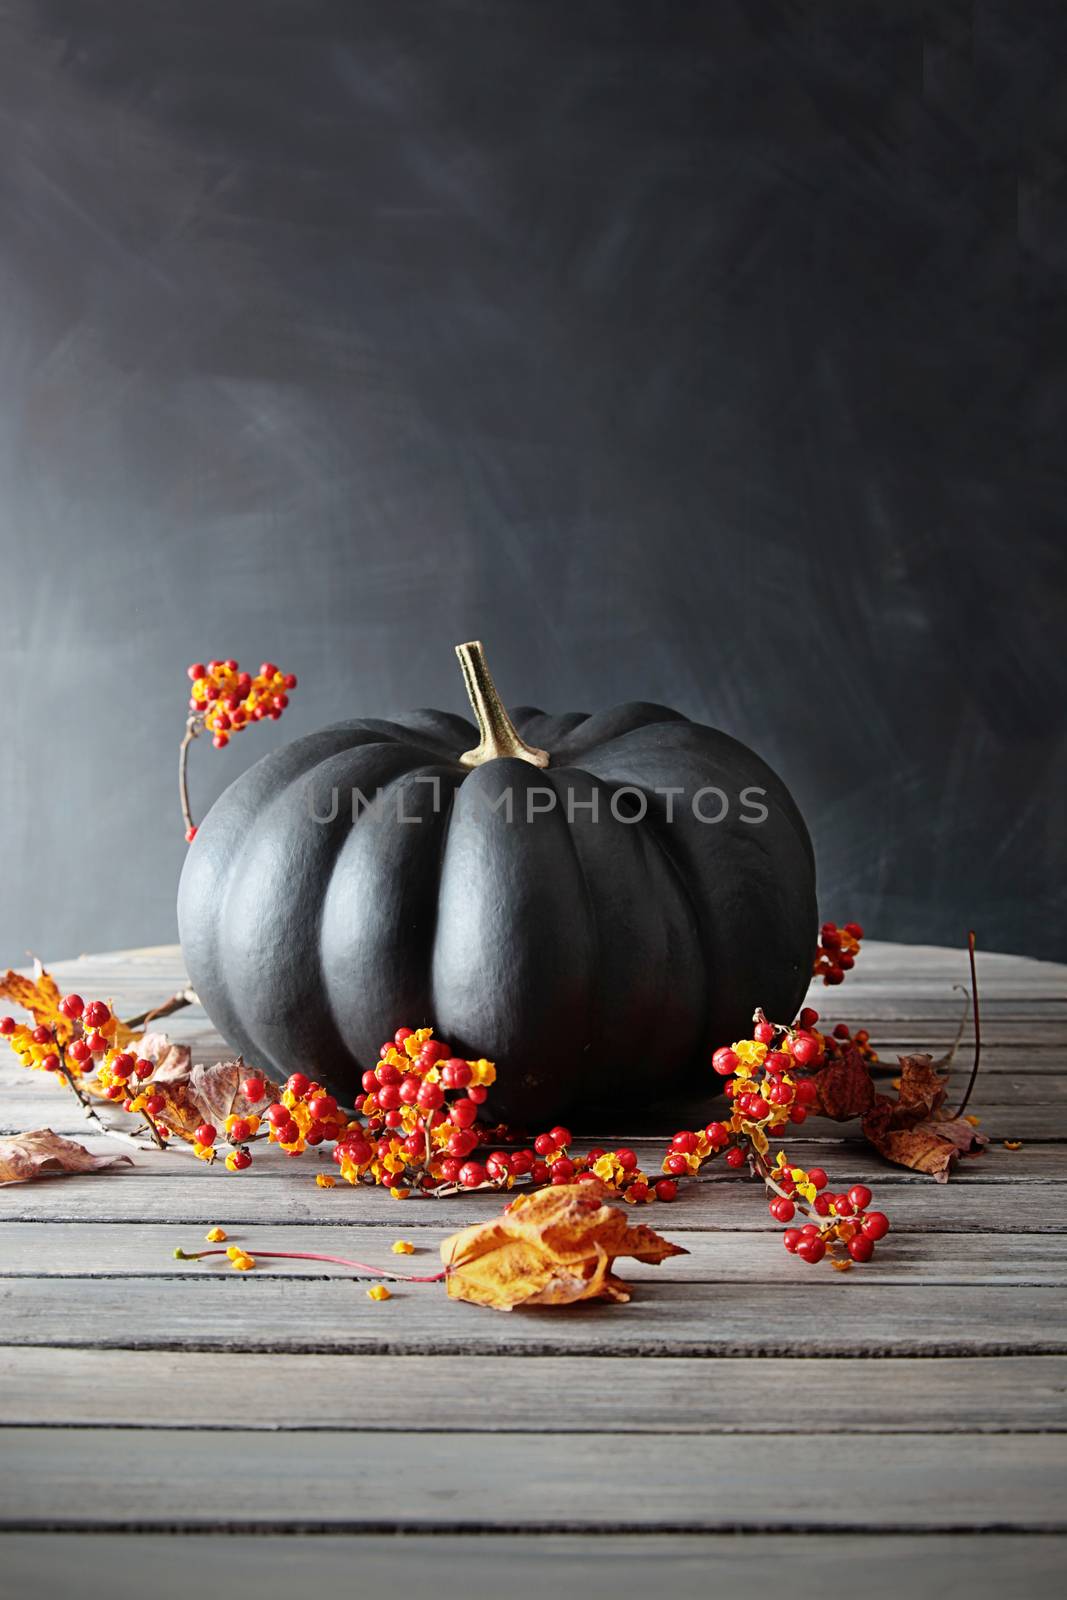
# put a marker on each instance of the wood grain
(943, 1362)
(66, 1478)
(137, 1250)
(817, 1314)
(458, 1566)
(542, 1394)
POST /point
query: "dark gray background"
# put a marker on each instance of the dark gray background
(702, 353)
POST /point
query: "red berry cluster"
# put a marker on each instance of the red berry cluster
(551, 1160)
(88, 1046)
(227, 699)
(840, 1222)
(837, 951)
(770, 1090)
(419, 1105)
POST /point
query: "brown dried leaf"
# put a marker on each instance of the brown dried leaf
(549, 1248)
(171, 1079)
(44, 1154)
(173, 1061)
(912, 1130)
(201, 1093)
(922, 1089)
(216, 1091)
(845, 1088)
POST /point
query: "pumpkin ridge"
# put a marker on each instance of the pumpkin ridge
(328, 865)
(674, 869)
(413, 738)
(205, 954)
(446, 829)
(653, 1017)
(346, 956)
(594, 996)
(281, 977)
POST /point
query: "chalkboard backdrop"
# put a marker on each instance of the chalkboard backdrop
(685, 352)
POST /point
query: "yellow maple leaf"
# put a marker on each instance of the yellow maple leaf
(549, 1248)
(39, 995)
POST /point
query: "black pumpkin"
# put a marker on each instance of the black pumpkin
(373, 874)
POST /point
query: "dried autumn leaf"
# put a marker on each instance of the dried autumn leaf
(216, 1092)
(549, 1248)
(173, 1068)
(39, 995)
(845, 1088)
(922, 1088)
(44, 1154)
(173, 1061)
(912, 1130)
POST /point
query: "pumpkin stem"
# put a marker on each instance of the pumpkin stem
(499, 734)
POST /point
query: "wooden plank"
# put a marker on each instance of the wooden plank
(136, 1249)
(559, 1394)
(918, 1206)
(828, 1314)
(105, 1478)
(483, 1566)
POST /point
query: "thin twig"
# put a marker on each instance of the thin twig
(977, 1026)
(183, 997)
(950, 1054)
(90, 1113)
(191, 732)
(314, 1255)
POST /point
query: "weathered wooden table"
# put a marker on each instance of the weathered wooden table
(745, 1419)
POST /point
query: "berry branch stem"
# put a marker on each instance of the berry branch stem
(90, 1113)
(316, 1255)
(191, 732)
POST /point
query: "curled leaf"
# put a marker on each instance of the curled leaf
(44, 1154)
(549, 1248)
(173, 1061)
(912, 1130)
(845, 1087)
(198, 1094)
(216, 1091)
